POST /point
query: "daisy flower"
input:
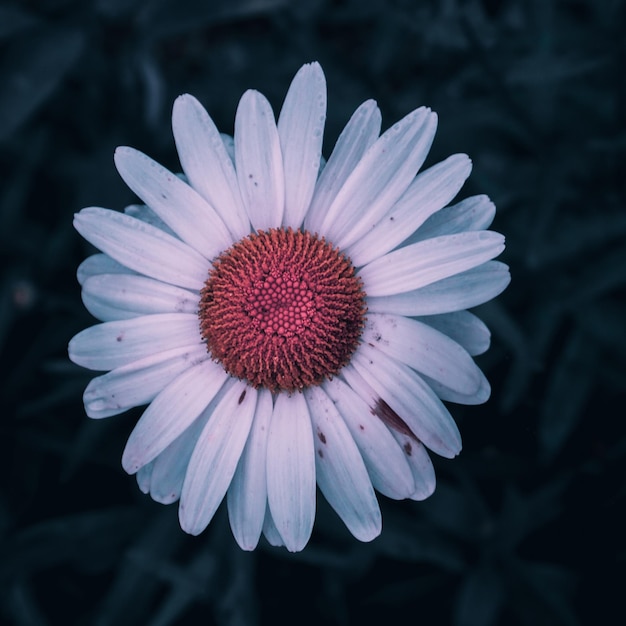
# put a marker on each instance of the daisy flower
(288, 321)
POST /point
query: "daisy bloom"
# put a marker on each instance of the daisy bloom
(288, 321)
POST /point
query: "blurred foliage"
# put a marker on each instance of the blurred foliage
(526, 527)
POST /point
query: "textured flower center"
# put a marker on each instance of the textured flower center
(282, 309)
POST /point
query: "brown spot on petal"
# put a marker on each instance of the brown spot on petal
(241, 397)
(408, 448)
(322, 436)
(391, 418)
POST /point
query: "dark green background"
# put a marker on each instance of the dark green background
(526, 527)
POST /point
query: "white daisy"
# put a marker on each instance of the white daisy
(288, 324)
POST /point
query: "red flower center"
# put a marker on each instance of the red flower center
(282, 309)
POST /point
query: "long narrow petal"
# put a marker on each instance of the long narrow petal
(380, 178)
(115, 297)
(359, 134)
(385, 461)
(170, 467)
(426, 262)
(464, 328)
(215, 457)
(473, 213)
(480, 396)
(144, 477)
(189, 215)
(421, 466)
(424, 349)
(410, 398)
(139, 382)
(171, 412)
(206, 162)
(247, 494)
(114, 344)
(142, 247)
(301, 129)
(270, 532)
(341, 473)
(291, 471)
(462, 291)
(431, 190)
(97, 264)
(259, 161)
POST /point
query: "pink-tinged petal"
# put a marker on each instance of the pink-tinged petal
(247, 494)
(114, 344)
(171, 413)
(360, 133)
(142, 248)
(259, 161)
(97, 264)
(215, 457)
(207, 164)
(388, 469)
(464, 328)
(301, 130)
(291, 471)
(341, 473)
(421, 465)
(380, 178)
(189, 215)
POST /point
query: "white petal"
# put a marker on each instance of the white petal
(206, 162)
(270, 531)
(191, 217)
(385, 461)
(341, 473)
(424, 349)
(464, 328)
(99, 264)
(171, 412)
(291, 471)
(259, 161)
(421, 465)
(423, 263)
(380, 178)
(147, 215)
(463, 291)
(142, 247)
(144, 476)
(360, 133)
(301, 129)
(431, 190)
(114, 297)
(474, 213)
(229, 144)
(113, 344)
(215, 457)
(171, 465)
(247, 494)
(139, 382)
(410, 398)
(480, 396)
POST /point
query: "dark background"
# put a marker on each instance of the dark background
(526, 527)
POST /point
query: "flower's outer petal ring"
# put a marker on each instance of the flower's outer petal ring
(301, 130)
(360, 133)
(464, 328)
(421, 466)
(97, 264)
(208, 166)
(426, 262)
(215, 457)
(341, 473)
(171, 412)
(142, 248)
(114, 344)
(247, 494)
(259, 161)
(291, 471)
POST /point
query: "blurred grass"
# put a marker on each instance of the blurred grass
(526, 526)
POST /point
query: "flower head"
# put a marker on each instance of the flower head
(288, 321)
